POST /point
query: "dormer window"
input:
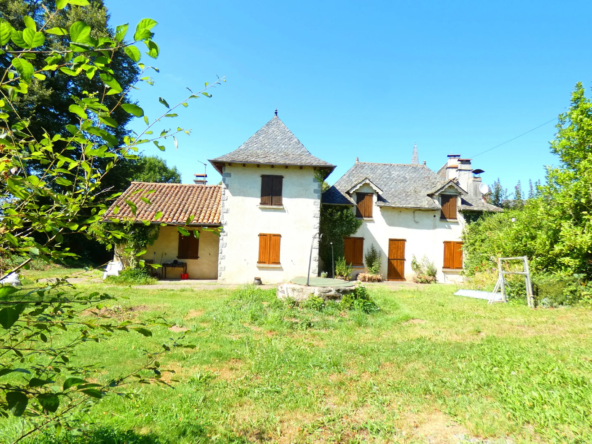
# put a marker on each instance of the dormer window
(448, 204)
(271, 191)
(364, 205)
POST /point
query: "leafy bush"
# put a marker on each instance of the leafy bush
(553, 290)
(342, 269)
(360, 300)
(373, 260)
(132, 276)
(314, 303)
(336, 223)
(425, 270)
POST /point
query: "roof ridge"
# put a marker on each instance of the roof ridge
(184, 184)
(397, 164)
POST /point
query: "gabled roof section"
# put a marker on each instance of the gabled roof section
(402, 185)
(471, 203)
(177, 202)
(273, 144)
(360, 184)
(451, 183)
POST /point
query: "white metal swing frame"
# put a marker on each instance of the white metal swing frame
(501, 285)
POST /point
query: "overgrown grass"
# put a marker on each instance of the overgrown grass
(427, 366)
(132, 277)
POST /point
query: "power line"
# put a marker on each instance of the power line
(508, 141)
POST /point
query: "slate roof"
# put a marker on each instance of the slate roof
(403, 185)
(176, 201)
(273, 144)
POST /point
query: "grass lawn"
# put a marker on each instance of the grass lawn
(429, 367)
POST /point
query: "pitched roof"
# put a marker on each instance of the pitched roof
(402, 185)
(273, 144)
(176, 201)
(450, 183)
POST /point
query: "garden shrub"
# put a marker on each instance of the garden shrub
(373, 260)
(342, 269)
(425, 270)
(132, 276)
(360, 300)
(554, 290)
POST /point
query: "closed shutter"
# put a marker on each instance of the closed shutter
(448, 255)
(453, 256)
(364, 206)
(448, 204)
(263, 249)
(266, 189)
(193, 246)
(354, 251)
(348, 247)
(188, 247)
(359, 252)
(274, 249)
(183, 250)
(276, 194)
(458, 256)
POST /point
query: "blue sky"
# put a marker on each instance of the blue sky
(369, 79)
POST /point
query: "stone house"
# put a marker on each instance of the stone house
(263, 219)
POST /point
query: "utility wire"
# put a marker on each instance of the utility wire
(508, 141)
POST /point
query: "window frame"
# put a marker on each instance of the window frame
(456, 253)
(361, 211)
(357, 241)
(272, 189)
(451, 201)
(270, 257)
(191, 239)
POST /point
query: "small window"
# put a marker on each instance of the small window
(271, 190)
(448, 203)
(354, 251)
(453, 257)
(188, 246)
(364, 207)
(269, 249)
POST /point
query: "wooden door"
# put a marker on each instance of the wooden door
(396, 260)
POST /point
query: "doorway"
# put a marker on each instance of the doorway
(396, 260)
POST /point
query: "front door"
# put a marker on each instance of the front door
(396, 260)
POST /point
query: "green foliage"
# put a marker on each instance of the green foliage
(425, 270)
(155, 169)
(336, 223)
(133, 244)
(54, 163)
(343, 269)
(360, 300)
(373, 260)
(132, 276)
(552, 290)
(498, 194)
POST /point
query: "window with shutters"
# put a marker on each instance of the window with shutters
(364, 206)
(269, 249)
(448, 204)
(271, 191)
(453, 256)
(188, 247)
(354, 251)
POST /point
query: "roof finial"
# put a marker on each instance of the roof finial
(415, 157)
(357, 159)
(276, 112)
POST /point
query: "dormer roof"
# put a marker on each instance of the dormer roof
(451, 184)
(273, 144)
(363, 182)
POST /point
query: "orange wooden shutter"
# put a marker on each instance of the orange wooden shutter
(359, 251)
(458, 255)
(274, 249)
(448, 254)
(183, 250)
(263, 249)
(266, 189)
(368, 205)
(364, 205)
(348, 247)
(448, 204)
(276, 192)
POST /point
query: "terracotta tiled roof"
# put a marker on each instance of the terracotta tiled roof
(177, 202)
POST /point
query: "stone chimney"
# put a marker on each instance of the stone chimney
(452, 166)
(464, 174)
(201, 179)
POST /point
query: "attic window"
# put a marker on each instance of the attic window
(271, 190)
(364, 206)
(448, 204)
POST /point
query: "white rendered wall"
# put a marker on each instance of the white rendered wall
(243, 221)
(423, 231)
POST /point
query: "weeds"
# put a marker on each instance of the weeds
(129, 276)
